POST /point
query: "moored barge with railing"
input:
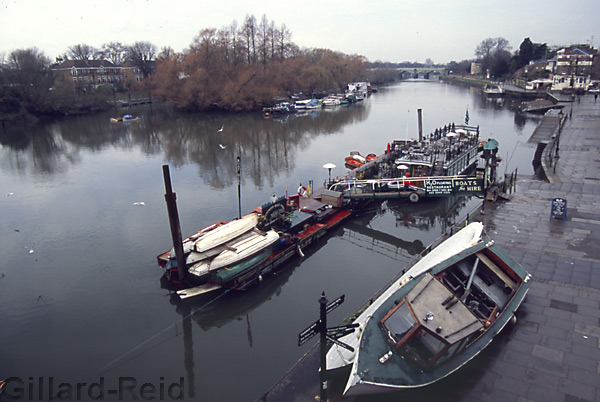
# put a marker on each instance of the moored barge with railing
(441, 164)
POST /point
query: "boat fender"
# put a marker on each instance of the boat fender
(414, 197)
(260, 278)
(300, 251)
(385, 357)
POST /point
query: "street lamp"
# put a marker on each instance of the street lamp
(329, 166)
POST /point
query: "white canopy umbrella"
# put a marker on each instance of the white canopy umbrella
(329, 166)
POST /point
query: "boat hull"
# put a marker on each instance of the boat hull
(226, 232)
(483, 306)
(338, 357)
(238, 251)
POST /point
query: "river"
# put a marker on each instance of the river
(84, 216)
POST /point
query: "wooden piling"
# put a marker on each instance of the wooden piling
(170, 198)
(420, 117)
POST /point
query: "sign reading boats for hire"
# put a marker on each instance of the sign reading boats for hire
(445, 187)
(468, 186)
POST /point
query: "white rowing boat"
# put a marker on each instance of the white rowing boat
(194, 257)
(226, 232)
(239, 251)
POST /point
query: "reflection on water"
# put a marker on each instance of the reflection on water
(267, 146)
(89, 295)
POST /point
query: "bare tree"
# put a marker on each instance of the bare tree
(29, 70)
(142, 54)
(248, 32)
(114, 52)
(265, 35)
(493, 52)
(284, 46)
(166, 53)
(234, 44)
(81, 52)
(205, 46)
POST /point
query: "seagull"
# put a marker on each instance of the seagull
(221, 129)
(139, 203)
(222, 146)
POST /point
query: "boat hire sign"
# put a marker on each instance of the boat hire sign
(446, 187)
(438, 188)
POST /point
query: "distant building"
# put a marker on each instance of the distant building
(475, 68)
(86, 73)
(131, 73)
(574, 68)
(92, 73)
(535, 75)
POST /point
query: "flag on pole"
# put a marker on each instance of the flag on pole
(467, 116)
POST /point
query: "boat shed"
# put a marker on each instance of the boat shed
(333, 198)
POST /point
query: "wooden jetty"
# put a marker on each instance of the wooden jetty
(539, 106)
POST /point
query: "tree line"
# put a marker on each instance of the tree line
(238, 68)
(495, 57)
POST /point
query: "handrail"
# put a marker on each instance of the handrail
(355, 182)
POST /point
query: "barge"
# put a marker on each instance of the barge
(298, 221)
(441, 164)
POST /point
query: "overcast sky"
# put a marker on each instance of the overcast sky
(387, 30)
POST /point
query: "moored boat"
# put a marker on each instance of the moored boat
(285, 227)
(280, 108)
(331, 101)
(236, 252)
(439, 315)
(449, 151)
(440, 164)
(493, 89)
(225, 233)
(123, 119)
(355, 160)
(308, 104)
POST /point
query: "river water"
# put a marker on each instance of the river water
(83, 217)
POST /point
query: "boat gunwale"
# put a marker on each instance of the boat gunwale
(437, 372)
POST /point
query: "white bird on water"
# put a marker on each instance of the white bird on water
(221, 129)
(222, 146)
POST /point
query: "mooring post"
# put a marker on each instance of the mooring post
(323, 345)
(420, 116)
(170, 198)
(239, 169)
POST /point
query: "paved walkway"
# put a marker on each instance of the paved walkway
(553, 352)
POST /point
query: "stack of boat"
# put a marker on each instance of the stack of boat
(356, 159)
(233, 247)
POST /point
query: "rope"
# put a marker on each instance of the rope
(138, 346)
